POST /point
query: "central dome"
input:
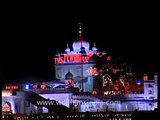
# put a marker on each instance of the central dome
(80, 43)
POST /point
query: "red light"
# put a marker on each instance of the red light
(93, 71)
(11, 87)
(94, 92)
(6, 108)
(69, 82)
(145, 77)
(109, 58)
(43, 86)
(74, 58)
(34, 87)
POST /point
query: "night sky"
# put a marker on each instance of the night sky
(32, 36)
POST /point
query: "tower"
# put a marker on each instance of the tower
(79, 60)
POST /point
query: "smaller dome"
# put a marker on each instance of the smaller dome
(57, 54)
(67, 50)
(94, 49)
(69, 75)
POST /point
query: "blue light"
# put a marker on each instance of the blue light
(138, 82)
(28, 86)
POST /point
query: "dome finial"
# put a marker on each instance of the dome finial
(67, 50)
(80, 29)
(94, 44)
(94, 49)
(67, 45)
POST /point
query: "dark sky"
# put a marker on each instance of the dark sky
(33, 35)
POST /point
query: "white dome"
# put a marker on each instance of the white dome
(67, 50)
(94, 49)
(77, 46)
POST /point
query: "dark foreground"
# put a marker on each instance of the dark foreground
(136, 115)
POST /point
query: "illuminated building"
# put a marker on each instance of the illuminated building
(20, 103)
(74, 67)
(74, 86)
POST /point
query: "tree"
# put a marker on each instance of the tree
(113, 75)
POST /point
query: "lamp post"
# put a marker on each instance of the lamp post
(80, 37)
(82, 66)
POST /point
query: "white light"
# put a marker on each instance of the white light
(27, 87)
(139, 83)
(6, 93)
